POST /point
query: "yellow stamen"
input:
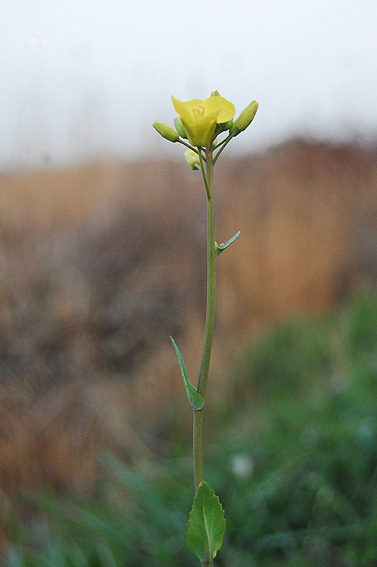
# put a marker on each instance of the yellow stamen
(198, 110)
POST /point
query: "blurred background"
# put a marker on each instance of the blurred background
(102, 257)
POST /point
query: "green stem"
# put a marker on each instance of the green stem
(221, 143)
(225, 143)
(187, 145)
(210, 320)
(198, 447)
(204, 172)
(211, 281)
(196, 150)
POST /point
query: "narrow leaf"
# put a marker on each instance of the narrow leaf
(195, 399)
(221, 247)
(206, 525)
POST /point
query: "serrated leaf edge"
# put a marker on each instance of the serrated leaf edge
(214, 553)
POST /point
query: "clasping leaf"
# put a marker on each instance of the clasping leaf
(195, 399)
(221, 247)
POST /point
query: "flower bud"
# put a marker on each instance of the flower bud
(244, 119)
(215, 93)
(166, 131)
(179, 127)
(192, 159)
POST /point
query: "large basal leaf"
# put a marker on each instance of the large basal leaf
(206, 525)
(195, 399)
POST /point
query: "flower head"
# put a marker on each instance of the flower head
(199, 117)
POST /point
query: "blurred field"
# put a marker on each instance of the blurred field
(99, 265)
(292, 454)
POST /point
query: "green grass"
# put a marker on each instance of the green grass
(293, 458)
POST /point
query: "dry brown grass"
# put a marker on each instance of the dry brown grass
(100, 264)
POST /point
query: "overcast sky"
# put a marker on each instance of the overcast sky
(83, 79)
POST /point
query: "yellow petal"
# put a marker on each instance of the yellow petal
(200, 130)
(185, 109)
(225, 109)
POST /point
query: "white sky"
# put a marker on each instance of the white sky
(109, 69)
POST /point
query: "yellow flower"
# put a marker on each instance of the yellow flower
(199, 117)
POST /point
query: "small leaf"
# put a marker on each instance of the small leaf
(206, 525)
(221, 247)
(195, 399)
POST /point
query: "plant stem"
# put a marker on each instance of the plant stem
(225, 143)
(204, 172)
(198, 447)
(211, 281)
(196, 150)
(210, 319)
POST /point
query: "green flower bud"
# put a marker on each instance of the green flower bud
(215, 93)
(166, 131)
(179, 127)
(244, 119)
